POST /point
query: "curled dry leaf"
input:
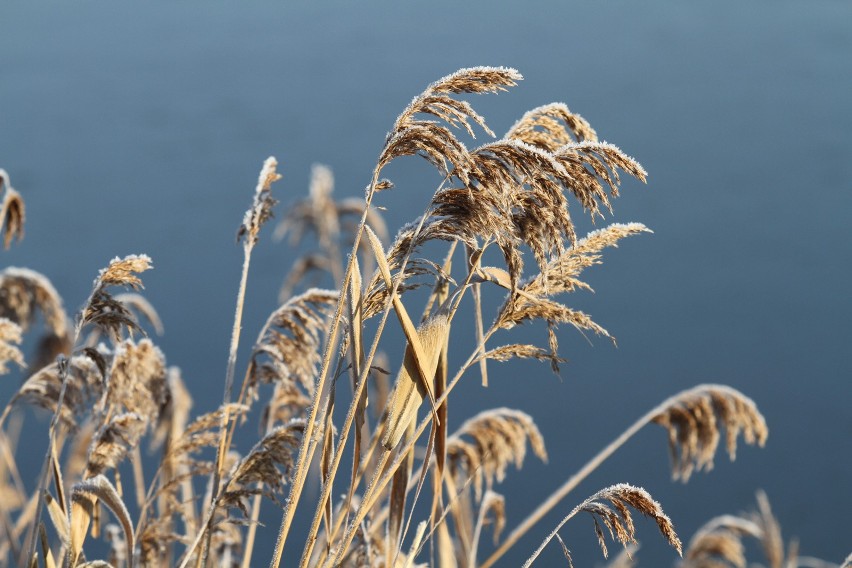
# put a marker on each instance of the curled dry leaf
(84, 497)
(12, 211)
(410, 388)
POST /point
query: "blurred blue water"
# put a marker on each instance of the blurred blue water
(133, 128)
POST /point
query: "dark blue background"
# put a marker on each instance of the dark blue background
(142, 128)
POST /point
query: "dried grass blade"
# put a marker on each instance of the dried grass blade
(327, 456)
(408, 393)
(396, 507)
(356, 342)
(49, 562)
(480, 333)
(408, 328)
(495, 504)
(12, 212)
(415, 544)
(418, 355)
(84, 498)
(430, 448)
(441, 431)
(57, 482)
(446, 548)
(58, 517)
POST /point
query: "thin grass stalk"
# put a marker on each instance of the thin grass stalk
(9, 535)
(381, 477)
(138, 476)
(51, 447)
(248, 544)
(377, 487)
(477, 532)
(356, 397)
(9, 457)
(232, 362)
(306, 452)
(553, 533)
(451, 504)
(353, 525)
(221, 451)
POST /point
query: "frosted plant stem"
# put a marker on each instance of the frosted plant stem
(402, 451)
(350, 416)
(547, 540)
(226, 399)
(51, 444)
(306, 453)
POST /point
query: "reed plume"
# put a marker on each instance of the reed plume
(10, 338)
(500, 437)
(617, 518)
(719, 542)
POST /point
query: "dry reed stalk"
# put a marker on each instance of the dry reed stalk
(408, 137)
(384, 472)
(287, 354)
(379, 480)
(617, 517)
(255, 217)
(693, 419)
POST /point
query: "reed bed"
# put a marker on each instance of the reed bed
(327, 400)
